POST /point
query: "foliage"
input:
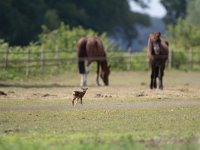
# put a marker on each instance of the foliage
(184, 34)
(63, 38)
(21, 20)
(193, 12)
(128, 61)
(55, 52)
(175, 9)
(126, 142)
(184, 40)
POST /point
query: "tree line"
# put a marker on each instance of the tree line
(21, 20)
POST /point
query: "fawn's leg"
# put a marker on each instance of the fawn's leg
(81, 100)
(73, 101)
(77, 100)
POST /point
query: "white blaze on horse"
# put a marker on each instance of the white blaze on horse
(90, 50)
(157, 52)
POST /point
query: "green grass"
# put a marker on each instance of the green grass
(147, 128)
(166, 128)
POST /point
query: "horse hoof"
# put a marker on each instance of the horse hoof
(151, 86)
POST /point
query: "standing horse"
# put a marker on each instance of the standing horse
(92, 49)
(157, 52)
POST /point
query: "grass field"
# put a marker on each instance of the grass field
(91, 126)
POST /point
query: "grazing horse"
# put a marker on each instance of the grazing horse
(90, 50)
(157, 52)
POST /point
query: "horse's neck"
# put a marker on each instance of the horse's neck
(104, 64)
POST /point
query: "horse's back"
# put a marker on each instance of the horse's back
(95, 47)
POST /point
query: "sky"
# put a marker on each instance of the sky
(155, 8)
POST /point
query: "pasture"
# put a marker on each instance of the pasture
(37, 114)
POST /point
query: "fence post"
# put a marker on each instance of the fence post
(42, 61)
(190, 59)
(129, 54)
(6, 58)
(27, 62)
(170, 59)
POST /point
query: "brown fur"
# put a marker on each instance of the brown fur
(92, 49)
(157, 59)
(78, 95)
(156, 36)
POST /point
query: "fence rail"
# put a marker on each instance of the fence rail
(29, 59)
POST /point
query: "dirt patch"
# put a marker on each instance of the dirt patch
(121, 92)
(123, 85)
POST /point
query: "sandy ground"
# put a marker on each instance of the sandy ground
(119, 92)
(179, 97)
(124, 85)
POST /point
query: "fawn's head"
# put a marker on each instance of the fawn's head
(84, 89)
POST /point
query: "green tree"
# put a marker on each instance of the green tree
(185, 37)
(21, 20)
(101, 15)
(175, 9)
(193, 12)
(183, 34)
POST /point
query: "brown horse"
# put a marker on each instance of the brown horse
(90, 50)
(157, 52)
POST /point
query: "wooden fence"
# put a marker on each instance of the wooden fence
(41, 61)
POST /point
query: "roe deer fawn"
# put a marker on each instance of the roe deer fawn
(78, 95)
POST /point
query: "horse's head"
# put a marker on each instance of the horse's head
(105, 74)
(156, 42)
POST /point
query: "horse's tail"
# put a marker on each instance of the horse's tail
(81, 55)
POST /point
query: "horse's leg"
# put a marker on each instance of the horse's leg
(87, 68)
(82, 71)
(156, 71)
(97, 78)
(153, 83)
(83, 79)
(161, 74)
(84, 75)
(152, 77)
